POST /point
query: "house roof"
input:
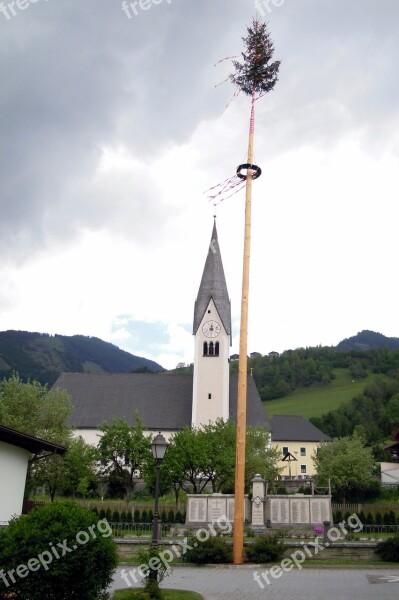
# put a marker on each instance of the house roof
(163, 401)
(28, 442)
(295, 428)
(213, 286)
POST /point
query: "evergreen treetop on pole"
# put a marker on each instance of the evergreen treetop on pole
(257, 74)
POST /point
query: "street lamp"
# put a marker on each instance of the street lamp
(158, 448)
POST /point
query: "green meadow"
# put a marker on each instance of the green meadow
(315, 401)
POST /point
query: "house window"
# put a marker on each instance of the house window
(303, 469)
(209, 396)
(303, 451)
(285, 450)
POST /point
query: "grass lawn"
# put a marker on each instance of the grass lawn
(167, 595)
(316, 401)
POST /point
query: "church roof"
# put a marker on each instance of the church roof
(163, 401)
(295, 428)
(213, 285)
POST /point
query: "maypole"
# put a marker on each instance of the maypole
(255, 77)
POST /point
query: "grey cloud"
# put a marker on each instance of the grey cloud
(80, 75)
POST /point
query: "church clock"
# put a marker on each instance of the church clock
(211, 329)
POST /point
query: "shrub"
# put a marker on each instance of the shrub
(136, 516)
(150, 516)
(123, 517)
(171, 516)
(338, 516)
(154, 576)
(83, 572)
(115, 517)
(378, 518)
(180, 517)
(389, 549)
(144, 516)
(164, 518)
(265, 549)
(370, 519)
(212, 551)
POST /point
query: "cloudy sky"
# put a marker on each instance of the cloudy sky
(112, 127)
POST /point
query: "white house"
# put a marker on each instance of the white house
(16, 450)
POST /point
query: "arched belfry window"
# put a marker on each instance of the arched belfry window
(211, 350)
(205, 348)
(217, 349)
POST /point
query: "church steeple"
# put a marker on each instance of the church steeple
(213, 286)
(212, 331)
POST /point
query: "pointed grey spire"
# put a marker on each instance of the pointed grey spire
(213, 285)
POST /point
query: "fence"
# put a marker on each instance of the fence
(137, 530)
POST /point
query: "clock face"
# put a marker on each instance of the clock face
(211, 329)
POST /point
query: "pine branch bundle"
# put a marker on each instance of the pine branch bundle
(257, 74)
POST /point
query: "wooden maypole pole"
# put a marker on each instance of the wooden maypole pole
(239, 511)
(254, 77)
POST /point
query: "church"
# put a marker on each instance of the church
(169, 402)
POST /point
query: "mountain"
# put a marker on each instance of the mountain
(43, 357)
(367, 340)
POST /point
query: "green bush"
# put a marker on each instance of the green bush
(137, 516)
(164, 517)
(154, 576)
(337, 517)
(62, 552)
(171, 516)
(180, 517)
(378, 518)
(115, 517)
(389, 549)
(123, 517)
(212, 551)
(265, 549)
(370, 519)
(144, 516)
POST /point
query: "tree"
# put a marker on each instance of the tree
(207, 455)
(60, 551)
(347, 462)
(260, 456)
(124, 450)
(186, 460)
(219, 440)
(34, 409)
(73, 472)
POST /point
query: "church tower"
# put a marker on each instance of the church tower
(212, 331)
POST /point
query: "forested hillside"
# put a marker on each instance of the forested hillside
(276, 376)
(43, 357)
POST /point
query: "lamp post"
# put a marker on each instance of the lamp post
(158, 448)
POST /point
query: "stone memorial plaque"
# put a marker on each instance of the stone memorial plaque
(216, 508)
(300, 510)
(320, 510)
(230, 509)
(279, 510)
(197, 510)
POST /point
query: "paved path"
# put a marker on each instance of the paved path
(238, 583)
